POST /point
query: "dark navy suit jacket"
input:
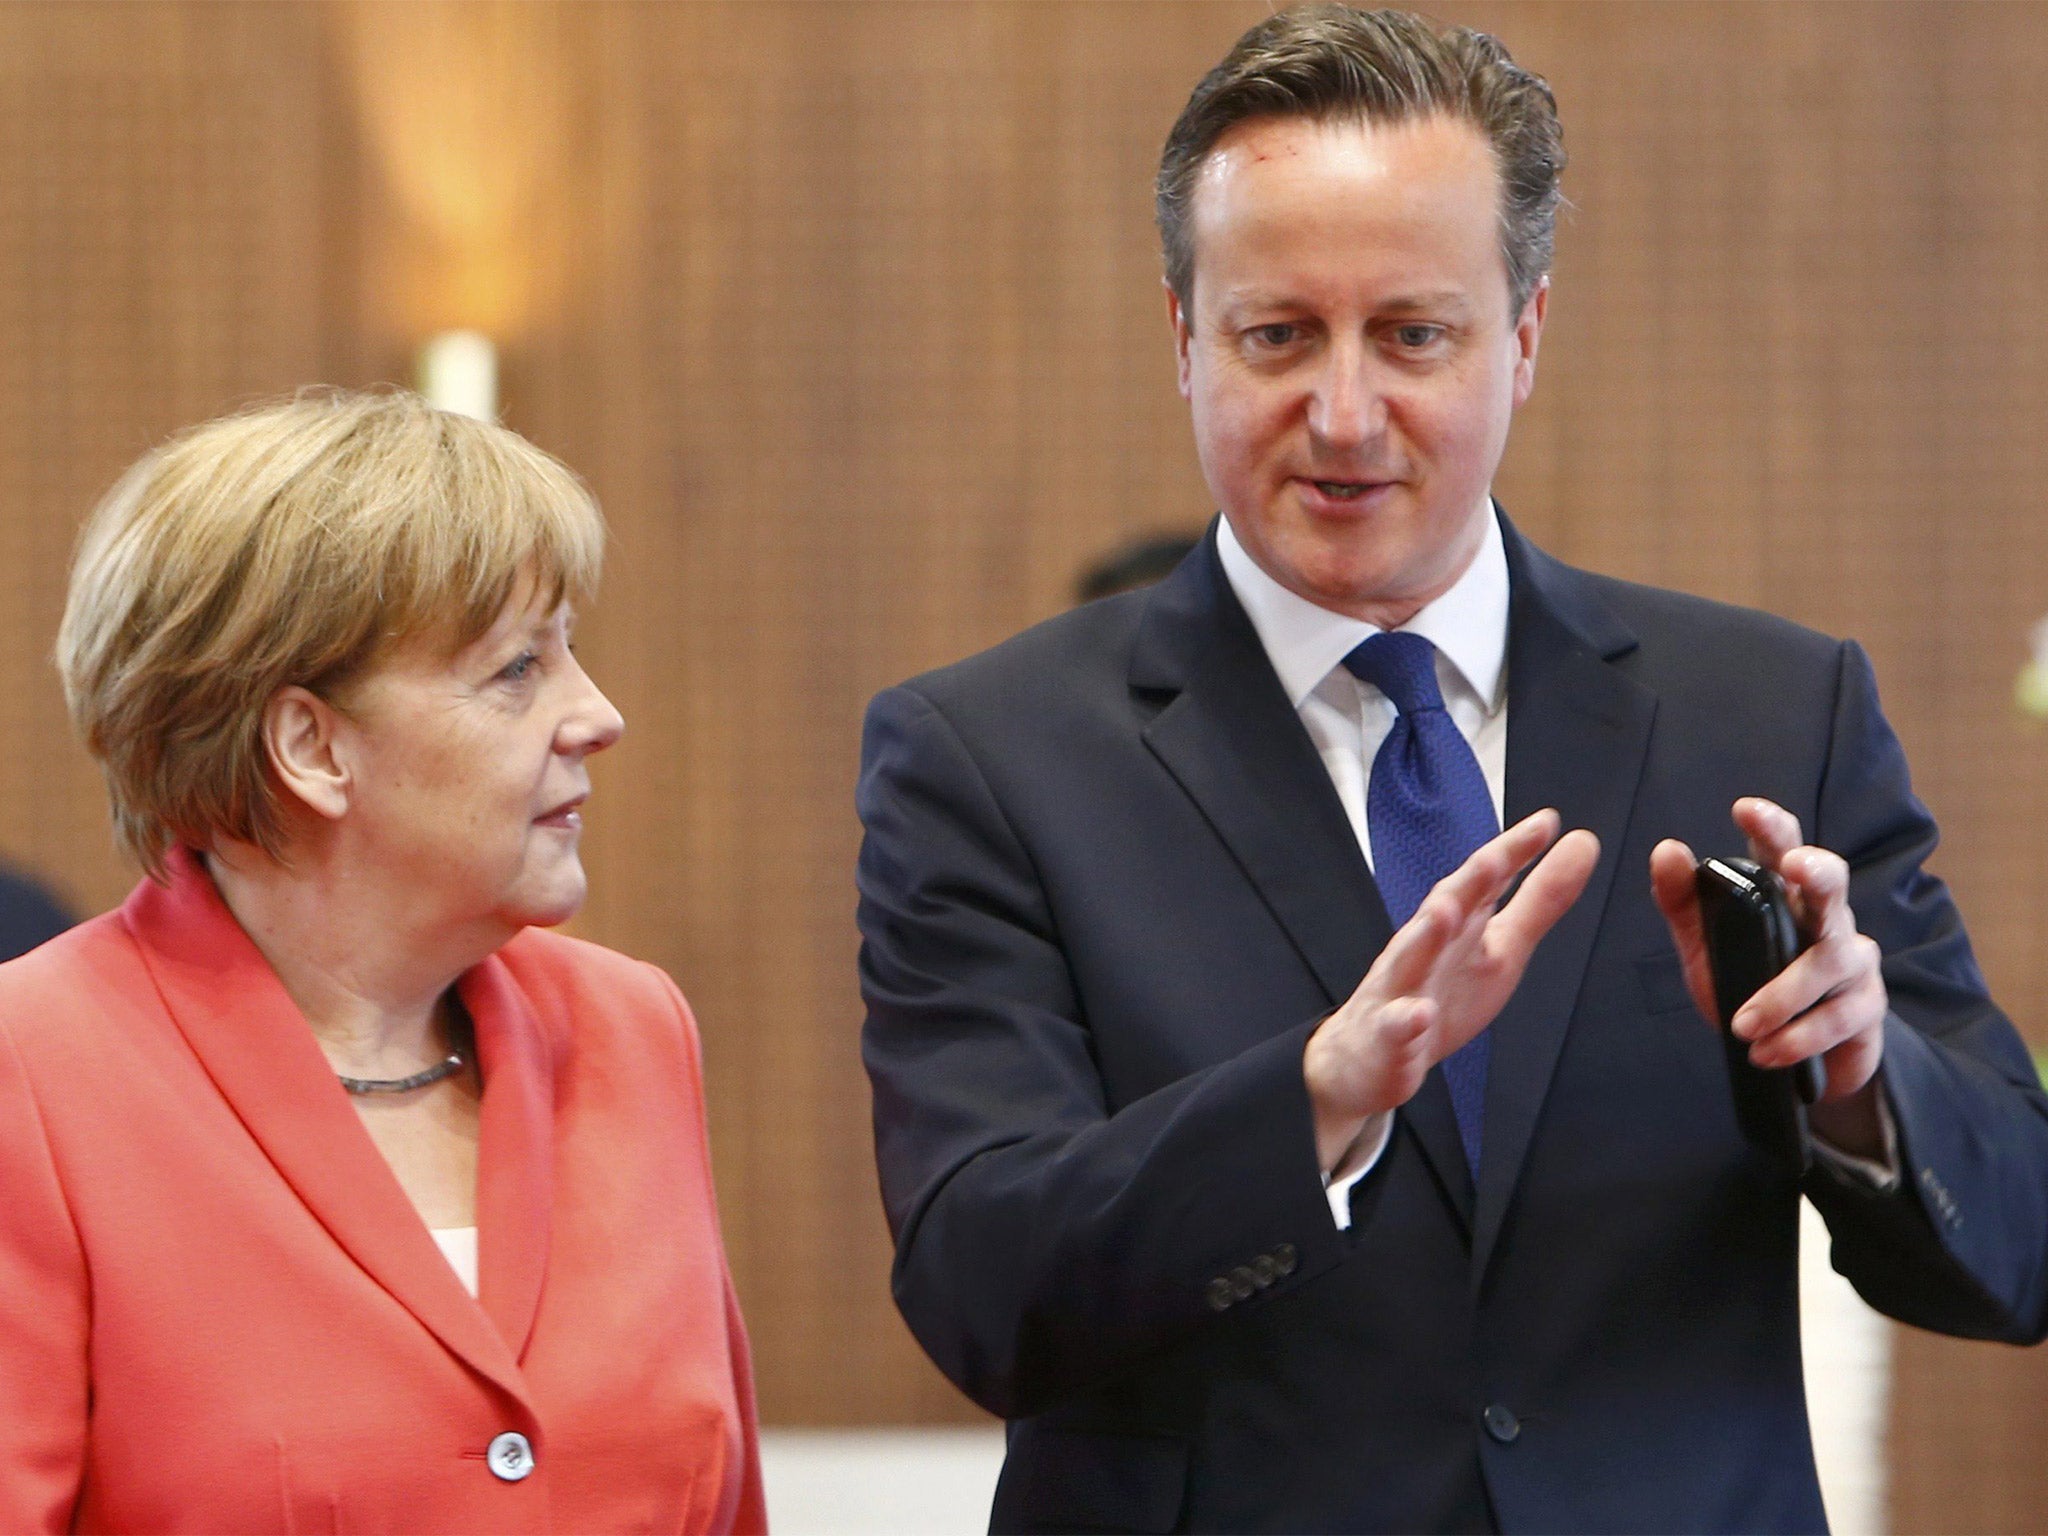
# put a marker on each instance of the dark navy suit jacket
(29, 915)
(1107, 891)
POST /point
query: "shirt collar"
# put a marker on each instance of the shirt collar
(1468, 623)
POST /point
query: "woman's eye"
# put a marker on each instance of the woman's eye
(517, 669)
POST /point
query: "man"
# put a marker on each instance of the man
(29, 914)
(1242, 1146)
(1138, 563)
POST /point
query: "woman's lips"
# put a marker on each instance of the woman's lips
(569, 814)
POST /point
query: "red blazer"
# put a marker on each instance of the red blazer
(219, 1312)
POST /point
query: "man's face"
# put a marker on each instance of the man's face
(1349, 357)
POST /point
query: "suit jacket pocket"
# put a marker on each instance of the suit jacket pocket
(1663, 983)
(1083, 1480)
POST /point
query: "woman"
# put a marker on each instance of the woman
(334, 1194)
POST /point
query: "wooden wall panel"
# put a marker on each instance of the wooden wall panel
(159, 202)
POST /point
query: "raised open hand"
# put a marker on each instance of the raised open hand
(1443, 977)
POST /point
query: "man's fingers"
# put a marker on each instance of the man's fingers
(1401, 1042)
(1448, 928)
(1835, 967)
(1369, 1056)
(1819, 882)
(1457, 951)
(1404, 965)
(1404, 1028)
(1816, 1032)
(1845, 1029)
(1547, 894)
(1468, 898)
(1772, 830)
(1671, 884)
(1483, 878)
(1834, 1020)
(1831, 1001)
(1676, 891)
(1455, 909)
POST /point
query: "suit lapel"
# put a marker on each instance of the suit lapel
(1236, 746)
(515, 1152)
(1578, 732)
(254, 1043)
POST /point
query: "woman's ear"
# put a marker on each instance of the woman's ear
(301, 734)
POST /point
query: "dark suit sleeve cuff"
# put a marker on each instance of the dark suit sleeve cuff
(1944, 1248)
(1266, 1154)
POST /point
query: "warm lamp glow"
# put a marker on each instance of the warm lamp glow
(2030, 690)
(458, 371)
(465, 109)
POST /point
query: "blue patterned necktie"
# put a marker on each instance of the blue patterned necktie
(1427, 808)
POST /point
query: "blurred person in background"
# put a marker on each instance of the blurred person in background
(1139, 563)
(338, 1194)
(1247, 1144)
(29, 913)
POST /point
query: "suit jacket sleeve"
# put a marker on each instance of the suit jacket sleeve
(43, 1369)
(1044, 1237)
(1962, 1246)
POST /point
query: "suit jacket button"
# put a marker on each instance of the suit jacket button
(1500, 1423)
(1241, 1283)
(510, 1457)
(1284, 1258)
(1264, 1270)
(1219, 1295)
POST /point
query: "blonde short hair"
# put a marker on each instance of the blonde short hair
(292, 543)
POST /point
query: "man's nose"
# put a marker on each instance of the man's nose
(1348, 410)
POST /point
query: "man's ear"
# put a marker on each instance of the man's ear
(301, 734)
(1183, 330)
(1528, 337)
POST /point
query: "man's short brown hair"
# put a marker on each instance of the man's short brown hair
(1335, 63)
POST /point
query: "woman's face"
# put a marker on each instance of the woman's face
(467, 772)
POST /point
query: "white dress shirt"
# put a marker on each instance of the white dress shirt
(458, 1247)
(1348, 719)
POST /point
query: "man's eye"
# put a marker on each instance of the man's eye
(1278, 334)
(1416, 337)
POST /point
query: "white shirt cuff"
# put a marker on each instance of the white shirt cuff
(1882, 1176)
(1357, 1163)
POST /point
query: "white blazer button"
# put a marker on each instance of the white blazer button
(510, 1457)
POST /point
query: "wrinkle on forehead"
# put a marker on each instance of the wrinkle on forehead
(1376, 157)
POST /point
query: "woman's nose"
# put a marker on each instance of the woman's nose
(593, 724)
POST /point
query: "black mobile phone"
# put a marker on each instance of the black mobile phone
(1750, 933)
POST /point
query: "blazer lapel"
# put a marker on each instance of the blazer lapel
(515, 1155)
(254, 1043)
(1578, 732)
(1234, 743)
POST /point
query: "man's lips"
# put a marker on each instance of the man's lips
(1341, 491)
(568, 814)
